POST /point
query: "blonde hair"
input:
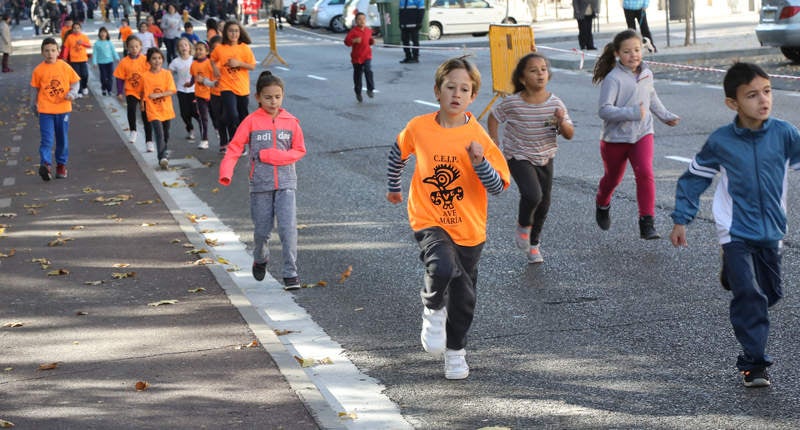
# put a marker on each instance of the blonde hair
(455, 64)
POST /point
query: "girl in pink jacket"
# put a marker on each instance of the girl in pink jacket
(275, 143)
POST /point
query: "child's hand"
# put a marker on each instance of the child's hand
(678, 235)
(559, 114)
(673, 122)
(187, 85)
(475, 152)
(120, 97)
(232, 62)
(155, 96)
(356, 40)
(394, 198)
(642, 111)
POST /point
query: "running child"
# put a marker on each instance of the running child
(457, 166)
(753, 154)
(125, 31)
(276, 144)
(129, 73)
(201, 71)
(54, 85)
(76, 44)
(147, 38)
(181, 67)
(532, 120)
(628, 101)
(156, 94)
(215, 102)
(361, 40)
(103, 57)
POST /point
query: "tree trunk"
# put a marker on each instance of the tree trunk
(689, 20)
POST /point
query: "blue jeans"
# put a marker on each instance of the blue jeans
(54, 127)
(754, 275)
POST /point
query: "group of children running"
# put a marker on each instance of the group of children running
(458, 164)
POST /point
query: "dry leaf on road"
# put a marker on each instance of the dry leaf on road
(163, 302)
(6, 424)
(59, 272)
(48, 366)
(13, 324)
(346, 274)
(142, 385)
(123, 275)
(284, 332)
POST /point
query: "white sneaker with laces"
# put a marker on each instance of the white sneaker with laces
(164, 163)
(434, 335)
(150, 146)
(455, 364)
(190, 136)
(132, 136)
(203, 144)
(85, 91)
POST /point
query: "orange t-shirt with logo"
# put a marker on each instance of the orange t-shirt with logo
(445, 190)
(200, 70)
(159, 109)
(76, 46)
(234, 79)
(53, 81)
(131, 70)
(124, 33)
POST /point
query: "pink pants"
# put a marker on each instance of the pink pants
(615, 156)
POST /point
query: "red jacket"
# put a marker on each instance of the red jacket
(362, 51)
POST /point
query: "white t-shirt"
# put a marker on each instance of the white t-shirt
(181, 69)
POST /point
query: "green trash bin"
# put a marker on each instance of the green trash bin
(390, 21)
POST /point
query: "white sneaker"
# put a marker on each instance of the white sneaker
(203, 144)
(150, 146)
(85, 91)
(79, 96)
(433, 335)
(164, 163)
(535, 255)
(132, 136)
(455, 364)
(190, 136)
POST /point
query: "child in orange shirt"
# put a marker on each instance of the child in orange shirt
(77, 43)
(54, 84)
(215, 102)
(129, 73)
(202, 73)
(232, 61)
(156, 93)
(457, 165)
(125, 30)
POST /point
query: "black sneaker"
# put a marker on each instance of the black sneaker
(756, 378)
(359, 98)
(603, 217)
(259, 271)
(44, 172)
(370, 94)
(292, 283)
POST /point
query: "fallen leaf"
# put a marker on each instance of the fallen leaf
(48, 366)
(175, 241)
(197, 290)
(93, 282)
(163, 302)
(8, 369)
(284, 332)
(6, 424)
(59, 241)
(172, 185)
(123, 275)
(141, 385)
(90, 190)
(62, 199)
(308, 362)
(21, 193)
(215, 190)
(8, 215)
(10, 253)
(112, 203)
(348, 415)
(188, 245)
(252, 344)
(145, 202)
(206, 231)
(58, 272)
(203, 261)
(121, 265)
(197, 251)
(211, 242)
(223, 260)
(346, 274)
(358, 309)
(81, 313)
(149, 224)
(34, 206)
(233, 268)
(118, 171)
(77, 227)
(13, 324)
(30, 172)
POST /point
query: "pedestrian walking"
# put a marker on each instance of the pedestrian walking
(277, 12)
(215, 102)
(232, 61)
(202, 75)
(584, 12)
(628, 101)
(276, 144)
(125, 31)
(753, 155)
(103, 57)
(188, 32)
(5, 40)
(636, 11)
(411, 15)
(532, 119)
(147, 38)
(457, 166)
(181, 67)
(129, 73)
(157, 90)
(361, 40)
(171, 24)
(77, 45)
(54, 85)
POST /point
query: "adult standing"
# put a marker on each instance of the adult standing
(277, 12)
(636, 10)
(5, 40)
(171, 24)
(411, 14)
(585, 11)
(36, 15)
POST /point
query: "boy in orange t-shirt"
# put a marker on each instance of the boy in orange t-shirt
(77, 43)
(125, 30)
(156, 93)
(457, 166)
(54, 84)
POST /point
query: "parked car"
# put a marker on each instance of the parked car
(328, 14)
(467, 16)
(298, 12)
(779, 25)
(370, 9)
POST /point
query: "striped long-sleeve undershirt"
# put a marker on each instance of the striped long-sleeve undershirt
(486, 173)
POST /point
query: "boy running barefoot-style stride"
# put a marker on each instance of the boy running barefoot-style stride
(753, 155)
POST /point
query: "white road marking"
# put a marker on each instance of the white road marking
(423, 102)
(676, 158)
(285, 69)
(4, 203)
(319, 78)
(7, 182)
(11, 163)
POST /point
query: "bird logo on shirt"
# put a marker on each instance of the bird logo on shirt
(443, 177)
(54, 89)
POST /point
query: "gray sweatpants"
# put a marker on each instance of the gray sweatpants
(265, 208)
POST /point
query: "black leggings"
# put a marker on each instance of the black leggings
(216, 119)
(202, 113)
(188, 109)
(535, 185)
(234, 111)
(133, 105)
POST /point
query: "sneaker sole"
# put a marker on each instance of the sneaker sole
(45, 174)
(456, 376)
(164, 164)
(757, 383)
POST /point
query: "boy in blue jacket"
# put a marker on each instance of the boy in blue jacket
(753, 154)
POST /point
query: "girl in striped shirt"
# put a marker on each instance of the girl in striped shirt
(532, 119)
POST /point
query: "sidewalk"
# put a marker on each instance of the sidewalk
(84, 261)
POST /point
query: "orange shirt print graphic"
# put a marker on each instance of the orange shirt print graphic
(159, 100)
(444, 175)
(135, 80)
(54, 89)
(232, 72)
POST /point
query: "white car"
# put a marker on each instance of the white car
(328, 14)
(368, 7)
(469, 16)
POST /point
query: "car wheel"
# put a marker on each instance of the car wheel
(792, 53)
(434, 31)
(337, 24)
